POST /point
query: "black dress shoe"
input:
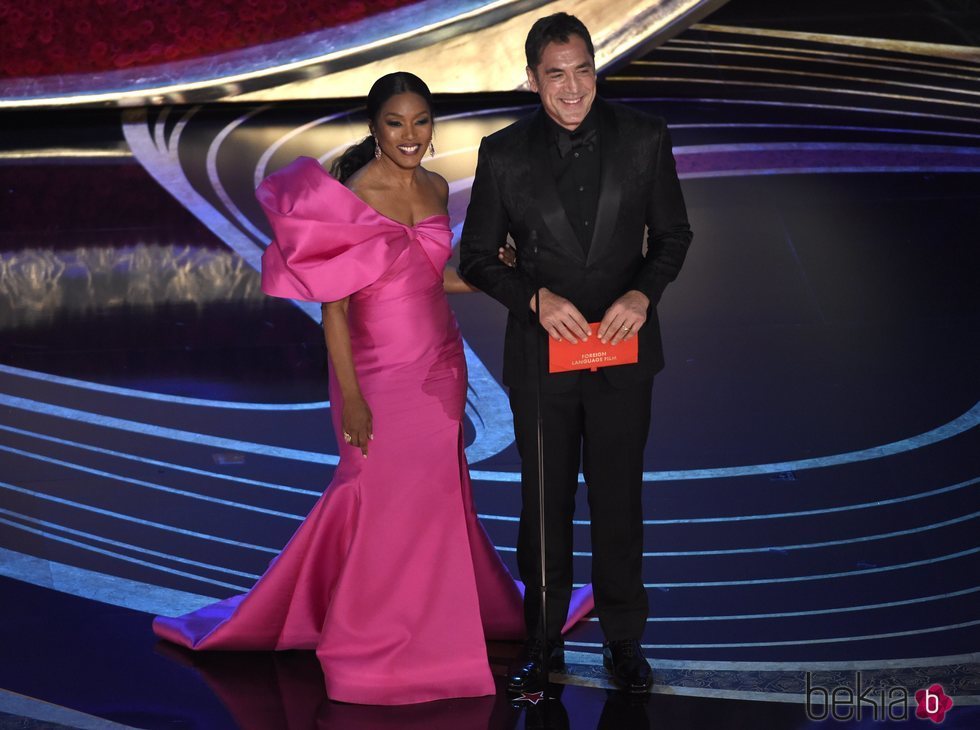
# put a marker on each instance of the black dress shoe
(525, 673)
(627, 665)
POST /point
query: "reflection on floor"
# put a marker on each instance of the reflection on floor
(813, 490)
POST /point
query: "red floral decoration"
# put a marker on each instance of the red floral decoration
(50, 37)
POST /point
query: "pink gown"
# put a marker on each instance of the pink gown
(391, 579)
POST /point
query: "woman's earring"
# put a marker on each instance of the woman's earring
(377, 149)
(432, 148)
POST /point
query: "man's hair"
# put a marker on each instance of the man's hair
(557, 28)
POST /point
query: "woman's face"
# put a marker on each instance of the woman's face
(404, 129)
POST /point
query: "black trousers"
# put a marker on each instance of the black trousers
(605, 429)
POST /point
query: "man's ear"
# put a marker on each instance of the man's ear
(532, 80)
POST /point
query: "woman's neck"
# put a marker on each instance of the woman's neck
(396, 175)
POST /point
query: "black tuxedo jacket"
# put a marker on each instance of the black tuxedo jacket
(514, 193)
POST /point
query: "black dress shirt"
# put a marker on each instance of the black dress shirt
(576, 173)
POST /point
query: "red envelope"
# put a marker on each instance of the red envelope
(591, 354)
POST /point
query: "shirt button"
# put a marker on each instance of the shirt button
(586, 224)
(581, 188)
(575, 154)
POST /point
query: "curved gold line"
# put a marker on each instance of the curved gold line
(809, 74)
(58, 153)
(942, 50)
(800, 87)
(451, 65)
(813, 52)
(885, 111)
(137, 97)
(800, 57)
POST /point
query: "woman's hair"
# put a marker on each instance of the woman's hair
(389, 85)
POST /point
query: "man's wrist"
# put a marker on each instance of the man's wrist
(644, 299)
(535, 297)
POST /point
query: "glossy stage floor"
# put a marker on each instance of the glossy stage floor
(812, 494)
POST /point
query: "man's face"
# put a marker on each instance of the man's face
(565, 81)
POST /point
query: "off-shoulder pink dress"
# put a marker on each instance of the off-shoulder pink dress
(391, 578)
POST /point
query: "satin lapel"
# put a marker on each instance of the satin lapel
(545, 192)
(611, 188)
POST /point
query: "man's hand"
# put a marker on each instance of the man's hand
(560, 318)
(624, 318)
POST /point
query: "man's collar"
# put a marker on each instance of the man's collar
(590, 122)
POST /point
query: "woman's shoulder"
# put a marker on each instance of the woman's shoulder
(439, 183)
(367, 188)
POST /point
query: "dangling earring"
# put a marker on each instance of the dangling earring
(377, 149)
(432, 148)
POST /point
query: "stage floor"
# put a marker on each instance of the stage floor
(812, 486)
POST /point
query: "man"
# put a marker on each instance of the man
(575, 184)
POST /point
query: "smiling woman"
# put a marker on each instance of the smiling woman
(395, 184)
(406, 126)
(390, 97)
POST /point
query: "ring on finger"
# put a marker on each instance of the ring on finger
(347, 437)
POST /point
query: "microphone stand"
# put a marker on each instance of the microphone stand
(539, 382)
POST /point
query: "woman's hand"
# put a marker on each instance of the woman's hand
(453, 283)
(507, 255)
(357, 424)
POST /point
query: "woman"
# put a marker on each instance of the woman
(391, 578)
